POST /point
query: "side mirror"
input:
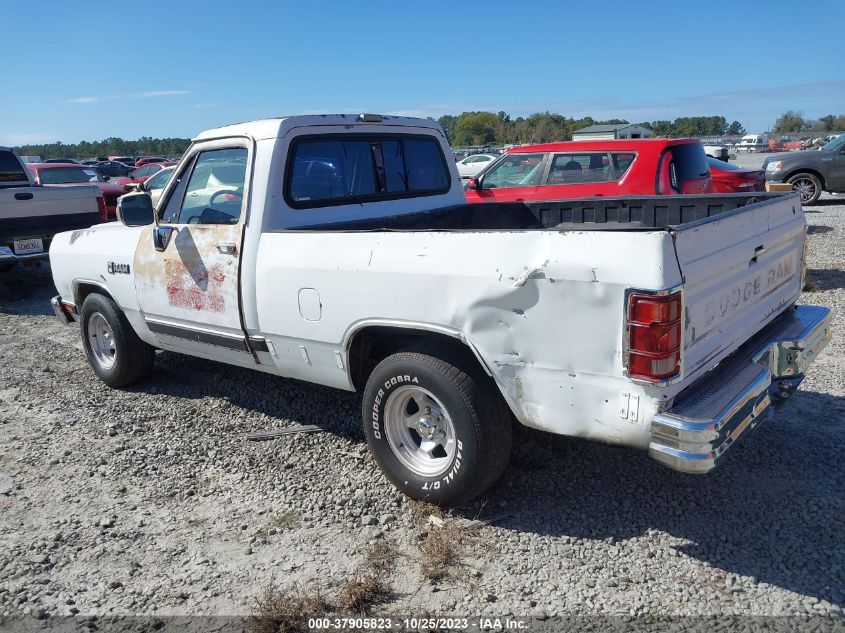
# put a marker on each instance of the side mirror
(135, 209)
(474, 183)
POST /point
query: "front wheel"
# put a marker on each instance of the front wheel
(438, 428)
(808, 187)
(115, 353)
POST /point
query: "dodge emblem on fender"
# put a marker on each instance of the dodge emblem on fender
(118, 269)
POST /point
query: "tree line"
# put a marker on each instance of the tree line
(499, 128)
(113, 146)
(793, 122)
(468, 128)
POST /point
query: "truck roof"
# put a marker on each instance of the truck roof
(279, 126)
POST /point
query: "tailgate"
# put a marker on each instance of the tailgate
(45, 211)
(740, 271)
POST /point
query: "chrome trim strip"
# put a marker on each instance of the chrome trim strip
(78, 282)
(776, 362)
(198, 334)
(346, 342)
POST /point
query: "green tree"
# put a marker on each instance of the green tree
(476, 128)
(790, 121)
(736, 129)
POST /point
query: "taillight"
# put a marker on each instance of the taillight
(101, 205)
(654, 336)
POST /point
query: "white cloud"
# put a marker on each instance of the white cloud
(27, 138)
(135, 95)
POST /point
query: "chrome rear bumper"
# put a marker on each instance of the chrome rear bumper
(712, 414)
(65, 312)
(8, 255)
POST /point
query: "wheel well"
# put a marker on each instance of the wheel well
(805, 171)
(371, 345)
(85, 288)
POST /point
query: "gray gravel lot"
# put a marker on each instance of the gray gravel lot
(150, 500)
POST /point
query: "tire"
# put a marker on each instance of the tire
(807, 185)
(114, 351)
(467, 424)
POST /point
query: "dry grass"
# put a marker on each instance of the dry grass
(286, 611)
(381, 555)
(362, 593)
(422, 511)
(439, 553)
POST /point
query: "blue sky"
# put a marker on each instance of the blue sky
(89, 70)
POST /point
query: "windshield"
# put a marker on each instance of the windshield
(715, 163)
(836, 143)
(66, 175)
(514, 170)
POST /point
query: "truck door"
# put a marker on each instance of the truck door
(836, 179)
(187, 266)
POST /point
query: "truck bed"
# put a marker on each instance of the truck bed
(631, 213)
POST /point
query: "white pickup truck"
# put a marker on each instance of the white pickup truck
(339, 249)
(30, 215)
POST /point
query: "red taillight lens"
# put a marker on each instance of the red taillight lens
(101, 205)
(654, 336)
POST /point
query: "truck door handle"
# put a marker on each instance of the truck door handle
(23, 196)
(227, 249)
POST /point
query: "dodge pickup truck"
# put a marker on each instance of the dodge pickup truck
(339, 249)
(30, 214)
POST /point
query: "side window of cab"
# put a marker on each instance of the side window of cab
(209, 189)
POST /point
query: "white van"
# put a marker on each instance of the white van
(753, 143)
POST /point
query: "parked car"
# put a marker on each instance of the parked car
(577, 169)
(126, 160)
(810, 172)
(728, 178)
(154, 185)
(146, 160)
(141, 174)
(753, 143)
(113, 168)
(716, 150)
(471, 165)
(31, 215)
(49, 174)
(660, 327)
(64, 161)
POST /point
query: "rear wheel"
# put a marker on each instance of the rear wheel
(115, 353)
(808, 186)
(437, 426)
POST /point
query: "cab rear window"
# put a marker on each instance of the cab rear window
(10, 168)
(362, 168)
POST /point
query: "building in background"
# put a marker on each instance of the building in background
(607, 132)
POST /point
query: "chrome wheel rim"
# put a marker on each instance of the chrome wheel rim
(101, 339)
(419, 431)
(805, 187)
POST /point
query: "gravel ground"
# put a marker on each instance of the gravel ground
(151, 501)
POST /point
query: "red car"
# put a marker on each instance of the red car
(581, 169)
(146, 160)
(142, 173)
(57, 174)
(729, 178)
